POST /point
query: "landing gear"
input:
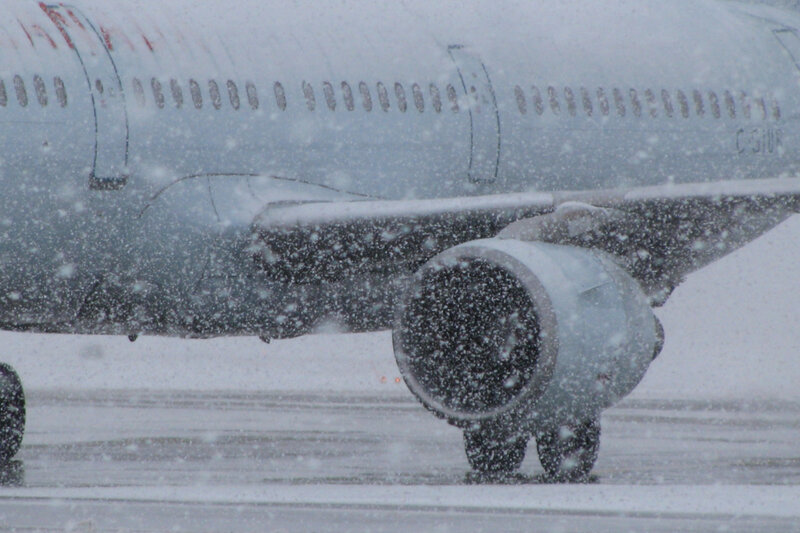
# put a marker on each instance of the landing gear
(569, 452)
(12, 413)
(491, 450)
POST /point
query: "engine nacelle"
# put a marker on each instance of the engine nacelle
(536, 333)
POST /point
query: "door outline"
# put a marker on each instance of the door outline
(789, 40)
(484, 128)
(110, 147)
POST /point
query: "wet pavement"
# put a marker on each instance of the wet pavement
(211, 461)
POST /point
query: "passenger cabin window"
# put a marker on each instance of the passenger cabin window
(650, 96)
(138, 92)
(636, 105)
(366, 97)
(213, 92)
(197, 94)
(436, 98)
(177, 93)
(745, 103)
(699, 108)
(419, 100)
(762, 107)
(619, 102)
(538, 102)
(233, 95)
(602, 101)
(252, 95)
(683, 103)
(402, 103)
(776, 110)
(713, 101)
(347, 93)
(555, 106)
(730, 104)
(308, 92)
(280, 95)
(3, 94)
(383, 96)
(41, 90)
(473, 92)
(522, 104)
(22, 93)
(98, 84)
(330, 98)
(588, 107)
(667, 101)
(569, 96)
(453, 97)
(158, 93)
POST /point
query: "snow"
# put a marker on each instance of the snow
(731, 328)
(731, 334)
(328, 362)
(320, 213)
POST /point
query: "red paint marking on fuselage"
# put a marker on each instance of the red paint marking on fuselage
(27, 33)
(43, 33)
(88, 33)
(59, 22)
(142, 34)
(107, 38)
(75, 19)
(148, 43)
(115, 32)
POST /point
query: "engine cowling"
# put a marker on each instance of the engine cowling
(539, 333)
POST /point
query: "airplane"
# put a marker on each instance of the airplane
(511, 186)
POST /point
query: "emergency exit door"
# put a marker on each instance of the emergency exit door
(109, 168)
(484, 117)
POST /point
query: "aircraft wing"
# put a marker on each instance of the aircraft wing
(660, 233)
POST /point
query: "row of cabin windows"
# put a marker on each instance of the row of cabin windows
(20, 90)
(384, 95)
(600, 101)
(229, 93)
(216, 94)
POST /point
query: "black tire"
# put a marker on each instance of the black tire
(568, 453)
(494, 451)
(12, 413)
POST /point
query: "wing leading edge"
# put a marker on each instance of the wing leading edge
(660, 233)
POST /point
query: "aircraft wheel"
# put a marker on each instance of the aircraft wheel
(12, 413)
(568, 453)
(494, 451)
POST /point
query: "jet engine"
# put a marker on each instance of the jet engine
(509, 339)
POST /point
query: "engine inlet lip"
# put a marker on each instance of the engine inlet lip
(486, 251)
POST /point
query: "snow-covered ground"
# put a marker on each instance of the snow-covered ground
(748, 501)
(732, 333)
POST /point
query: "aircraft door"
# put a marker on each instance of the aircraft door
(109, 170)
(483, 115)
(791, 42)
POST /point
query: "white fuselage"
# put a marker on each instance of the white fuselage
(139, 139)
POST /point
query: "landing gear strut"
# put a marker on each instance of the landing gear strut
(568, 452)
(12, 413)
